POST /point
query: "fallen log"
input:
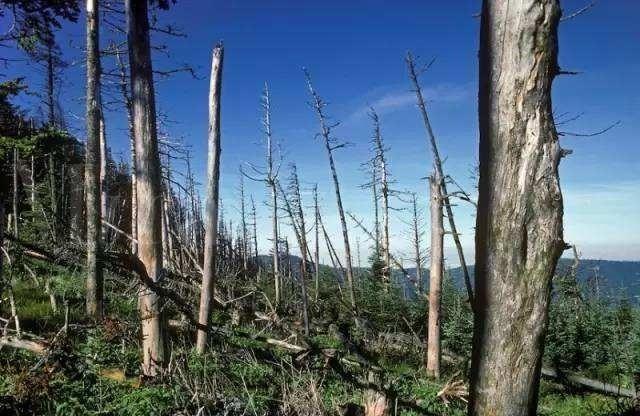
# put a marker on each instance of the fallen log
(596, 386)
(35, 347)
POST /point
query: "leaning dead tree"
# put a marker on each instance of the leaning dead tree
(331, 145)
(519, 223)
(269, 175)
(414, 73)
(92, 166)
(213, 191)
(149, 189)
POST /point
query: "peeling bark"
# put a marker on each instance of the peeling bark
(519, 235)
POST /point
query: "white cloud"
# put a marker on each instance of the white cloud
(395, 100)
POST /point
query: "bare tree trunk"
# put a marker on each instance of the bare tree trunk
(376, 209)
(243, 215)
(381, 162)
(325, 132)
(15, 193)
(104, 203)
(148, 173)
(124, 90)
(213, 190)
(92, 166)
(2, 220)
(519, 235)
(437, 163)
(296, 215)
(272, 176)
(254, 224)
(316, 253)
(435, 279)
(416, 244)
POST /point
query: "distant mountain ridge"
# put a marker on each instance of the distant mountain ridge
(615, 278)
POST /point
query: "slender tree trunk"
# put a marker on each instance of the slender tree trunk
(124, 90)
(376, 209)
(213, 187)
(243, 215)
(92, 166)
(2, 220)
(254, 224)
(325, 132)
(316, 253)
(416, 245)
(437, 163)
(148, 174)
(519, 223)
(435, 279)
(381, 163)
(104, 203)
(53, 194)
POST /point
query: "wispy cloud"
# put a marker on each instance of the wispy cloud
(395, 100)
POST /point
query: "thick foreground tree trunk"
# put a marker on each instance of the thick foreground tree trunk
(519, 221)
(435, 278)
(92, 166)
(213, 190)
(148, 174)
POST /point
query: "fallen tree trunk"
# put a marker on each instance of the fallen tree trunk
(35, 347)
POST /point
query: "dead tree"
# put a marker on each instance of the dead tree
(123, 85)
(435, 279)
(254, 226)
(149, 215)
(213, 191)
(416, 234)
(316, 252)
(519, 235)
(104, 203)
(294, 208)
(243, 224)
(330, 143)
(269, 175)
(439, 175)
(380, 164)
(92, 166)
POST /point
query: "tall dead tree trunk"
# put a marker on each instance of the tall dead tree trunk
(92, 166)
(435, 279)
(148, 175)
(316, 252)
(124, 90)
(417, 236)
(254, 225)
(437, 163)
(296, 215)
(103, 175)
(380, 162)
(519, 235)
(271, 179)
(213, 191)
(243, 224)
(331, 145)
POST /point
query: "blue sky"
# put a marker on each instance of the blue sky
(355, 51)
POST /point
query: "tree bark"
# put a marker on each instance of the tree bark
(92, 166)
(316, 253)
(435, 278)
(213, 190)
(148, 176)
(519, 235)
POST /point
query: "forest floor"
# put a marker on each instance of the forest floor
(94, 369)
